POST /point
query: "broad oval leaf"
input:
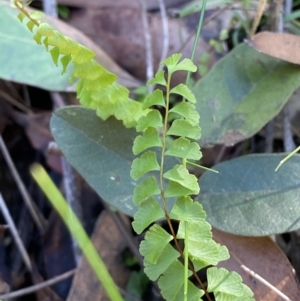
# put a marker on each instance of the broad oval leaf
(100, 150)
(23, 61)
(241, 94)
(249, 198)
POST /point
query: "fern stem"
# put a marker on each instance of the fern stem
(20, 7)
(162, 191)
(186, 260)
(162, 160)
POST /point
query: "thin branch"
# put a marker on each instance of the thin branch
(165, 30)
(37, 217)
(71, 185)
(148, 43)
(15, 234)
(266, 283)
(37, 287)
(259, 13)
(72, 194)
(14, 102)
(50, 8)
(288, 140)
(269, 133)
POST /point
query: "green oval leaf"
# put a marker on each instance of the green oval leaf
(248, 198)
(100, 151)
(241, 93)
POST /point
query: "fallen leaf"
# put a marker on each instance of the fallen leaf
(265, 258)
(282, 46)
(109, 242)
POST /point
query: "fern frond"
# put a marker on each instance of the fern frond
(161, 259)
(95, 86)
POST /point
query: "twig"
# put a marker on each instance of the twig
(37, 217)
(72, 195)
(288, 7)
(71, 187)
(288, 141)
(165, 30)
(259, 13)
(50, 7)
(266, 283)
(148, 44)
(14, 102)
(34, 288)
(15, 234)
(269, 133)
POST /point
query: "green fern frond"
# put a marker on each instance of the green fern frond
(95, 86)
(161, 258)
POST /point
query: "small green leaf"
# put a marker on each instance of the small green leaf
(37, 15)
(21, 16)
(193, 293)
(71, 47)
(65, 60)
(184, 148)
(156, 239)
(172, 61)
(221, 282)
(152, 119)
(30, 25)
(184, 128)
(144, 190)
(186, 210)
(149, 212)
(174, 189)
(57, 39)
(203, 250)
(45, 30)
(55, 55)
(188, 111)
(172, 280)
(149, 139)
(168, 255)
(156, 98)
(147, 162)
(38, 38)
(158, 79)
(182, 176)
(45, 42)
(185, 92)
(185, 65)
(84, 55)
(90, 70)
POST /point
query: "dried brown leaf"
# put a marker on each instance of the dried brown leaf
(264, 257)
(283, 46)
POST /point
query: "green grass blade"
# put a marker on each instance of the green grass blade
(76, 229)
